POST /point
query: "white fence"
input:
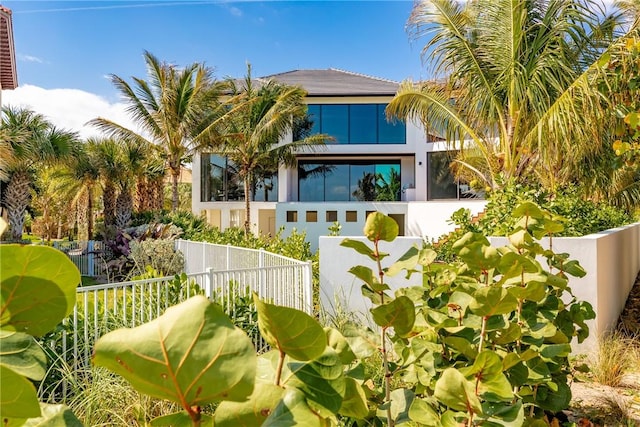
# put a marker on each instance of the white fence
(227, 275)
(88, 256)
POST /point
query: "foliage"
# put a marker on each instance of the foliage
(618, 355)
(485, 339)
(37, 290)
(99, 397)
(524, 76)
(172, 106)
(32, 141)
(301, 382)
(579, 217)
(120, 263)
(158, 254)
(251, 132)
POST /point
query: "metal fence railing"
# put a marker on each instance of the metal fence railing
(89, 256)
(106, 307)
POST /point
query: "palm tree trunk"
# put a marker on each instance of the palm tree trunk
(109, 201)
(174, 189)
(157, 193)
(16, 200)
(83, 216)
(247, 205)
(124, 206)
(141, 202)
(90, 212)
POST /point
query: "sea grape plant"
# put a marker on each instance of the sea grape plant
(37, 290)
(484, 340)
(195, 356)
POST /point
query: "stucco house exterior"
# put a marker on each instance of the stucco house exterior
(8, 74)
(372, 165)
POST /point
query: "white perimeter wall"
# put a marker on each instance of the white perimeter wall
(611, 259)
(430, 219)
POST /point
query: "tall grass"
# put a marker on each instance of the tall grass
(618, 355)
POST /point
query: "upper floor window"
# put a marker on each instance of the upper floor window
(356, 124)
(221, 181)
(441, 181)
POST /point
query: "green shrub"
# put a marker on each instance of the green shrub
(159, 254)
(579, 217)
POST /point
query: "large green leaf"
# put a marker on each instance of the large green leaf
(399, 314)
(455, 391)
(37, 288)
(294, 411)
(380, 227)
(354, 404)
(21, 353)
(291, 331)
(359, 247)
(192, 355)
(252, 412)
(366, 275)
(400, 404)
(17, 396)
(339, 343)
(422, 413)
(321, 380)
(180, 419)
(504, 414)
(54, 416)
(492, 300)
(492, 383)
(363, 341)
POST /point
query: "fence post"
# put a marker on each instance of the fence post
(91, 259)
(228, 257)
(307, 287)
(208, 283)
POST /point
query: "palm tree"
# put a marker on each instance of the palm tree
(517, 84)
(251, 134)
(132, 166)
(107, 152)
(82, 176)
(170, 108)
(39, 143)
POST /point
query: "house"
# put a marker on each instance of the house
(373, 165)
(8, 74)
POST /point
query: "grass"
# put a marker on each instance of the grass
(618, 356)
(100, 398)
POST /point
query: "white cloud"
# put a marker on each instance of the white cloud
(30, 58)
(235, 11)
(68, 108)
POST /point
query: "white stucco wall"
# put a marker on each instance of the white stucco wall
(338, 286)
(430, 219)
(611, 259)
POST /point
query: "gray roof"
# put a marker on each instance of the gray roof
(333, 82)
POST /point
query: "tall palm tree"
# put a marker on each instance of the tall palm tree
(82, 176)
(517, 84)
(251, 133)
(40, 143)
(107, 152)
(132, 166)
(170, 108)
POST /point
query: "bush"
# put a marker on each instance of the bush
(159, 254)
(578, 216)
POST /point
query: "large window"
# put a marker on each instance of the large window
(441, 182)
(356, 124)
(220, 182)
(349, 181)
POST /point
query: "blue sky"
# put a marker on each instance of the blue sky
(66, 49)
(75, 44)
